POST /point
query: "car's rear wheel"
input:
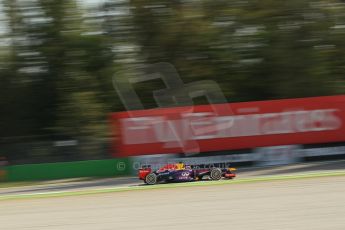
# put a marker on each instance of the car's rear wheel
(151, 179)
(216, 174)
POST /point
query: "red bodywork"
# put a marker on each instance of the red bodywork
(230, 175)
(143, 173)
(167, 167)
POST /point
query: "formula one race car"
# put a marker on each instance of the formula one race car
(182, 173)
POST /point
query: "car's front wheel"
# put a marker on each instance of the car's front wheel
(216, 174)
(151, 179)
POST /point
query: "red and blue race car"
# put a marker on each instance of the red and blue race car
(181, 173)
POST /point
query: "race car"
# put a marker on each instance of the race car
(183, 173)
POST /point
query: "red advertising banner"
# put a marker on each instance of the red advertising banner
(229, 126)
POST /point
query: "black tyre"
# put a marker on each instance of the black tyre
(151, 179)
(216, 174)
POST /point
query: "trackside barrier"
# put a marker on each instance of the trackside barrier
(65, 170)
(262, 157)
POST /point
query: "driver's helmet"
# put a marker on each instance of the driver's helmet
(180, 166)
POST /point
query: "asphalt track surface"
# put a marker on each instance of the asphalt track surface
(316, 204)
(310, 203)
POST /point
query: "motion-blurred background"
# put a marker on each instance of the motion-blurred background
(58, 58)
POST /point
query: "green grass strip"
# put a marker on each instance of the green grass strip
(172, 185)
